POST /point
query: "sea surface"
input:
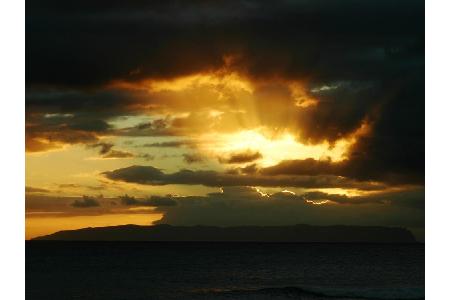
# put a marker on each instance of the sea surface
(183, 270)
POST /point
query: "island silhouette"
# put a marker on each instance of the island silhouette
(295, 233)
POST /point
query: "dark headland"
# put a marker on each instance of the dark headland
(295, 233)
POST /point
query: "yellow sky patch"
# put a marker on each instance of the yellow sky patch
(38, 226)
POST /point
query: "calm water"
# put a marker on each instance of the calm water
(145, 270)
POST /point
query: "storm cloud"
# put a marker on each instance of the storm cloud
(242, 157)
(361, 62)
(247, 206)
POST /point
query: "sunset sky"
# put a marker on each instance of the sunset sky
(224, 113)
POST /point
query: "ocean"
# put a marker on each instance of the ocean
(184, 270)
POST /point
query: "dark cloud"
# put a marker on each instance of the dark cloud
(248, 169)
(96, 187)
(395, 148)
(30, 189)
(160, 201)
(341, 199)
(307, 166)
(118, 154)
(40, 137)
(340, 110)
(56, 116)
(106, 151)
(76, 186)
(156, 124)
(38, 205)
(358, 167)
(104, 101)
(86, 202)
(45, 131)
(159, 127)
(241, 157)
(152, 201)
(153, 176)
(104, 147)
(146, 156)
(170, 144)
(192, 158)
(128, 200)
(69, 185)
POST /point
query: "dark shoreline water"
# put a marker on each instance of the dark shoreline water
(223, 270)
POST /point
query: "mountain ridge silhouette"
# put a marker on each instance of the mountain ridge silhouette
(201, 233)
